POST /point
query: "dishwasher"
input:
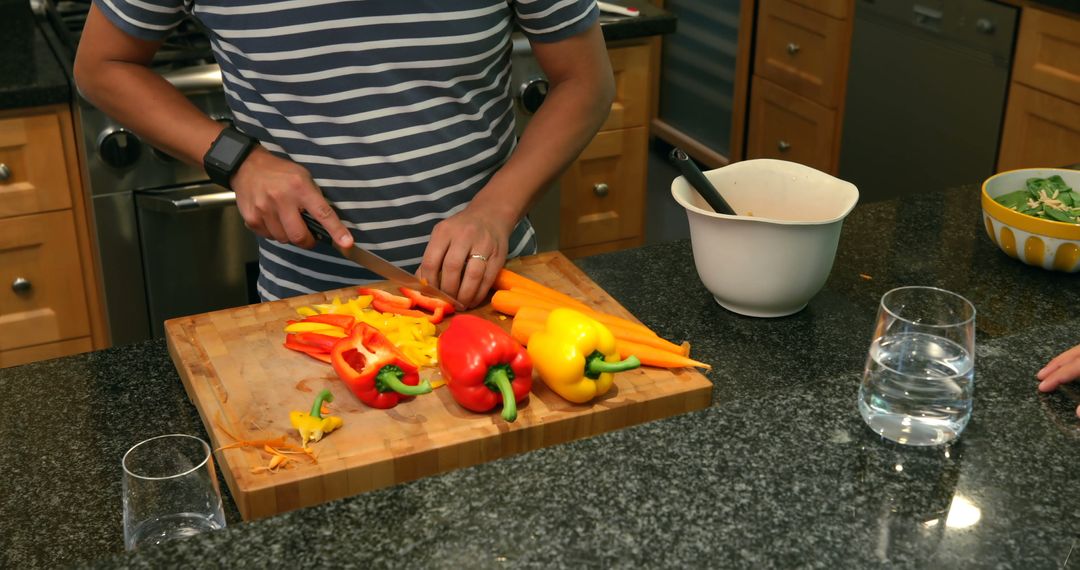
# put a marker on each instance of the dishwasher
(926, 92)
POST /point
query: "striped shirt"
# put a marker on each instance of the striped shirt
(400, 109)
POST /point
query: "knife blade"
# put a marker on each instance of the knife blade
(378, 265)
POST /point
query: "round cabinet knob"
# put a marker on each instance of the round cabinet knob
(120, 149)
(533, 93)
(5, 172)
(982, 25)
(21, 285)
(600, 189)
(783, 145)
(793, 48)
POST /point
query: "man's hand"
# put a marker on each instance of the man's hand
(1061, 370)
(448, 262)
(271, 192)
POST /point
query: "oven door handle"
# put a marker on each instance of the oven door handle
(207, 201)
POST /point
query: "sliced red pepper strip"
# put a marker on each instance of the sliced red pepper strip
(385, 297)
(438, 307)
(324, 343)
(382, 307)
(374, 369)
(341, 321)
(292, 344)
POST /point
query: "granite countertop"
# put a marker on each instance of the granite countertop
(30, 74)
(780, 471)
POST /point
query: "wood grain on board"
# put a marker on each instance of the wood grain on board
(244, 384)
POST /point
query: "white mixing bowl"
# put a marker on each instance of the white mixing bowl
(775, 255)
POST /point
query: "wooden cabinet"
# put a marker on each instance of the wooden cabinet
(49, 303)
(799, 80)
(602, 194)
(1042, 118)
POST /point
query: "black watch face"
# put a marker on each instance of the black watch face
(227, 150)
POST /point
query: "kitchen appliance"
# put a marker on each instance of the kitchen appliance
(169, 242)
(239, 377)
(925, 94)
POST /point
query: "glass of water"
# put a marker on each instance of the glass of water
(170, 490)
(919, 378)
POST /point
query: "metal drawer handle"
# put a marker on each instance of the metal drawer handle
(600, 189)
(5, 172)
(793, 48)
(783, 145)
(21, 285)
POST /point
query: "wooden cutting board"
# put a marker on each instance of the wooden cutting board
(245, 383)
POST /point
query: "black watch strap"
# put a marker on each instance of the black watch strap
(226, 154)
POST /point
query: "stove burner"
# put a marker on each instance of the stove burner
(188, 45)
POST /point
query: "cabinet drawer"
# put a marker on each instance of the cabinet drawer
(34, 174)
(630, 64)
(786, 126)
(1048, 53)
(802, 50)
(49, 303)
(840, 9)
(1040, 130)
(603, 192)
(44, 351)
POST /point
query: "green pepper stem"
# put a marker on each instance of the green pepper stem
(498, 376)
(316, 408)
(599, 365)
(389, 377)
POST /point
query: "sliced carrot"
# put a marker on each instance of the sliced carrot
(620, 331)
(522, 329)
(509, 302)
(509, 280)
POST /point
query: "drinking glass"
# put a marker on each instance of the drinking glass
(919, 377)
(170, 490)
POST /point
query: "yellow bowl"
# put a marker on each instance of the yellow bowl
(1043, 243)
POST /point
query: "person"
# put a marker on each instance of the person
(389, 121)
(1064, 368)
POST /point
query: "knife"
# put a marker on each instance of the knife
(380, 266)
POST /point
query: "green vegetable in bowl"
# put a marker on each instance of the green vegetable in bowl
(1047, 198)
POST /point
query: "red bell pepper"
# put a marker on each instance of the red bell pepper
(483, 366)
(374, 369)
(438, 307)
(345, 322)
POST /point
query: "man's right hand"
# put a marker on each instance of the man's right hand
(271, 192)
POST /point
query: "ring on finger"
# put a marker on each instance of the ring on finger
(478, 256)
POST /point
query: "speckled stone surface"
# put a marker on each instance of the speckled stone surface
(652, 21)
(779, 472)
(30, 75)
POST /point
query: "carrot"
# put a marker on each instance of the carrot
(509, 280)
(522, 329)
(620, 331)
(510, 302)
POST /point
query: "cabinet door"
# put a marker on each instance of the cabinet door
(44, 351)
(630, 108)
(803, 51)
(1040, 130)
(42, 298)
(33, 174)
(1048, 53)
(786, 126)
(603, 192)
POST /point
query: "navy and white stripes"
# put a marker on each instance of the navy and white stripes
(400, 109)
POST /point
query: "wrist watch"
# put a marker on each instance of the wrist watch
(226, 155)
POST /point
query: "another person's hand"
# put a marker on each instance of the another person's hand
(465, 254)
(1064, 368)
(271, 192)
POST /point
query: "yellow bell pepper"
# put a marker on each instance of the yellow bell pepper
(313, 426)
(576, 357)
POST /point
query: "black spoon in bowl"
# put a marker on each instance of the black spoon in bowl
(698, 182)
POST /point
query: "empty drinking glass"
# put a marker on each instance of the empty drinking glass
(919, 377)
(170, 490)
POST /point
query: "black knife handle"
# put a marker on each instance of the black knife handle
(317, 230)
(698, 182)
